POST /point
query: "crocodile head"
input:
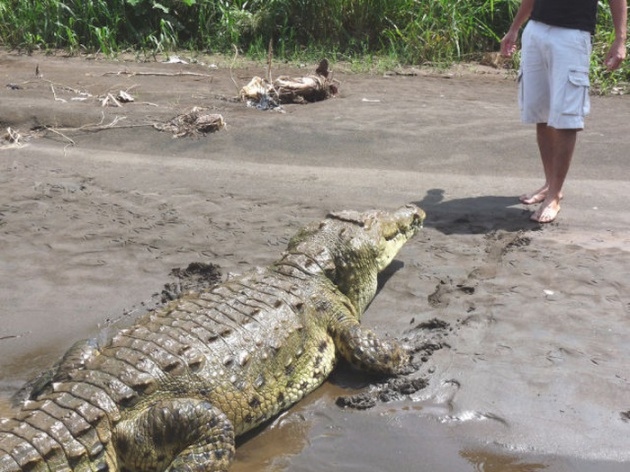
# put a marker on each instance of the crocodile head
(351, 247)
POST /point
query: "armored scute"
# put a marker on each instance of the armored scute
(172, 392)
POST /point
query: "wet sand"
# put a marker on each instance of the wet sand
(532, 374)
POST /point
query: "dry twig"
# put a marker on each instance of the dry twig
(110, 99)
(269, 60)
(232, 68)
(57, 99)
(160, 74)
(12, 139)
(70, 140)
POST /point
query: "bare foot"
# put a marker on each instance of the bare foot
(535, 197)
(546, 213)
(531, 198)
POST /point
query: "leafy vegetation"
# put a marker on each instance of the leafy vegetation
(415, 31)
(405, 31)
(603, 80)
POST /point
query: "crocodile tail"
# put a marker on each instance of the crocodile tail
(66, 430)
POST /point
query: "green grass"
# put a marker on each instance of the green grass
(414, 30)
(405, 32)
(604, 82)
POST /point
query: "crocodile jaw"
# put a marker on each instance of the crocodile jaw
(350, 248)
(367, 243)
(396, 229)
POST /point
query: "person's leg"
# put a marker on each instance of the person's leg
(562, 145)
(534, 98)
(544, 137)
(569, 57)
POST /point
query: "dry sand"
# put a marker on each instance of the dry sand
(533, 373)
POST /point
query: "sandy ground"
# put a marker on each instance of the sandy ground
(532, 374)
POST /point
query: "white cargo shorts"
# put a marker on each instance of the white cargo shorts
(553, 79)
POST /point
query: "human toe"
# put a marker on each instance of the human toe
(545, 214)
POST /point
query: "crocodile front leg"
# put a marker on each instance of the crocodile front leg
(363, 348)
(187, 434)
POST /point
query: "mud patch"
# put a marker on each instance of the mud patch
(197, 277)
(433, 323)
(394, 390)
(421, 341)
(446, 287)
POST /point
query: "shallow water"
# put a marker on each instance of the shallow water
(316, 436)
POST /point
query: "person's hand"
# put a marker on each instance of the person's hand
(508, 44)
(616, 55)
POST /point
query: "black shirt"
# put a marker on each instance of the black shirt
(575, 14)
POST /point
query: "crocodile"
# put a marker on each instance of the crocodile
(174, 390)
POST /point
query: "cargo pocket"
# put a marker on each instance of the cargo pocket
(576, 98)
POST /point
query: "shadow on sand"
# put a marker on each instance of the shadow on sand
(475, 215)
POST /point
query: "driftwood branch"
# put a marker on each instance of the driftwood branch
(264, 94)
(56, 131)
(193, 123)
(160, 74)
